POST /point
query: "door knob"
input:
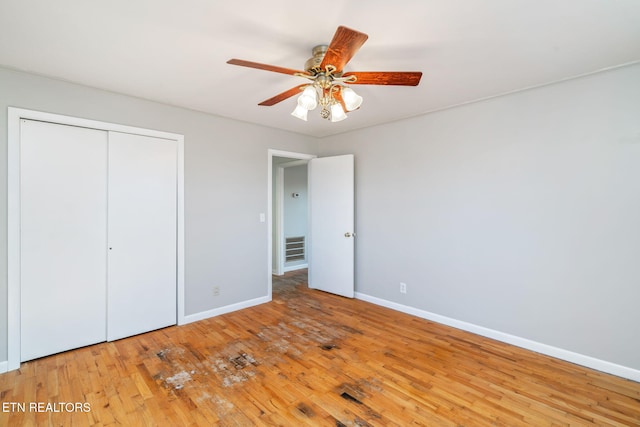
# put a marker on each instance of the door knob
(347, 234)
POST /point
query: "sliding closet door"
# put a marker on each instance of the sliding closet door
(63, 240)
(142, 234)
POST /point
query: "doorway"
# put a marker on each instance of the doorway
(330, 221)
(278, 162)
(290, 213)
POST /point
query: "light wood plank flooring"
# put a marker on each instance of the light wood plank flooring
(311, 358)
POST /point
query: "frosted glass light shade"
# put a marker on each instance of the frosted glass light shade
(337, 113)
(351, 99)
(309, 98)
(300, 112)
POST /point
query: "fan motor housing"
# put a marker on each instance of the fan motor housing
(313, 64)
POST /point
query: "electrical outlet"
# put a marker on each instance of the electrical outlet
(216, 291)
(403, 288)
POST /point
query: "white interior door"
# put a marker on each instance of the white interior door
(331, 225)
(142, 234)
(63, 178)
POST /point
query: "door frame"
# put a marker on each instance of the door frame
(271, 153)
(13, 212)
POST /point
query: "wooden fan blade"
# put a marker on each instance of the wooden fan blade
(400, 78)
(266, 67)
(346, 42)
(282, 96)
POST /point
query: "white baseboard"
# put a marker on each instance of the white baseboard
(4, 367)
(559, 353)
(295, 267)
(223, 310)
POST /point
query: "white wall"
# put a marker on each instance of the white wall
(225, 185)
(520, 214)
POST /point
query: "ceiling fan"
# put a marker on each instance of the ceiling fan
(329, 85)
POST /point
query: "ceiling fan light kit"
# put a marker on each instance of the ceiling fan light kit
(300, 112)
(325, 90)
(309, 98)
(337, 113)
(328, 87)
(351, 99)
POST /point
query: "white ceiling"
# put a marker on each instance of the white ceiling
(175, 52)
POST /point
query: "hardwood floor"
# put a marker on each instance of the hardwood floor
(311, 358)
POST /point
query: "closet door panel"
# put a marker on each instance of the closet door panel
(142, 234)
(63, 240)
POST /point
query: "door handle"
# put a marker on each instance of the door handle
(347, 234)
